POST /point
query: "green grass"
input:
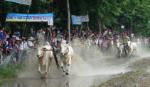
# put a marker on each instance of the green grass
(130, 79)
(9, 71)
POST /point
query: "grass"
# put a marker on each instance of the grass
(2, 82)
(129, 79)
(134, 78)
(9, 71)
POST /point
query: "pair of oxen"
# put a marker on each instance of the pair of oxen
(47, 53)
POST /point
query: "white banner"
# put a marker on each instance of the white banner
(15, 17)
(26, 2)
(76, 20)
(85, 18)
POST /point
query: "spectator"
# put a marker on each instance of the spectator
(30, 42)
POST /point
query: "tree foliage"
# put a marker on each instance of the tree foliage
(134, 14)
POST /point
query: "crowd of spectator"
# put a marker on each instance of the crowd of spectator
(15, 42)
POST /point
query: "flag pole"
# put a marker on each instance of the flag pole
(68, 12)
(88, 21)
(24, 31)
(51, 38)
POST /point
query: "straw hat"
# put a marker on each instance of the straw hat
(13, 36)
(23, 38)
(17, 38)
(31, 39)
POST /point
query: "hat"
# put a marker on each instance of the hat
(17, 38)
(13, 36)
(23, 38)
(31, 38)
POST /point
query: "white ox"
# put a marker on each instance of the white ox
(133, 48)
(130, 51)
(66, 57)
(45, 56)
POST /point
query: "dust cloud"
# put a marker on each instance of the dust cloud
(87, 61)
(89, 64)
(90, 61)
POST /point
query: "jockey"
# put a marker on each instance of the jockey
(55, 43)
(40, 37)
(132, 37)
(107, 33)
(125, 39)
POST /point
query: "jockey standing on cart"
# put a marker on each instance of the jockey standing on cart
(56, 40)
(107, 35)
(125, 39)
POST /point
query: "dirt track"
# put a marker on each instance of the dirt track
(89, 68)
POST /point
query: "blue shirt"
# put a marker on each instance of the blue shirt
(2, 36)
(18, 34)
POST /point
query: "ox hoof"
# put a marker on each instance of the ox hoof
(39, 72)
(43, 77)
(67, 73)
(45, 73)
(68, 64)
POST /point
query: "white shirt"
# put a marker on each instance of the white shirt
(24, 46)
(100, 41)
(30, 44)
(105, 33)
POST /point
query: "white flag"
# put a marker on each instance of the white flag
(76, 20)
(85, 18)
(26, 2)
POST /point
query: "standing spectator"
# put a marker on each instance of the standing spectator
(24, 44)
(1, 52)
(33, 32)
(2, 35)
(16, 49)
(30, 42)
(8, 46)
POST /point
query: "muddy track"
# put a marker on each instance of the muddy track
(90, 67)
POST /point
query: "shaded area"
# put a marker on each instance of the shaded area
(55, 82)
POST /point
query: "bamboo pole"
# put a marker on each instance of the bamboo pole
(24, 31)
(68, 12)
